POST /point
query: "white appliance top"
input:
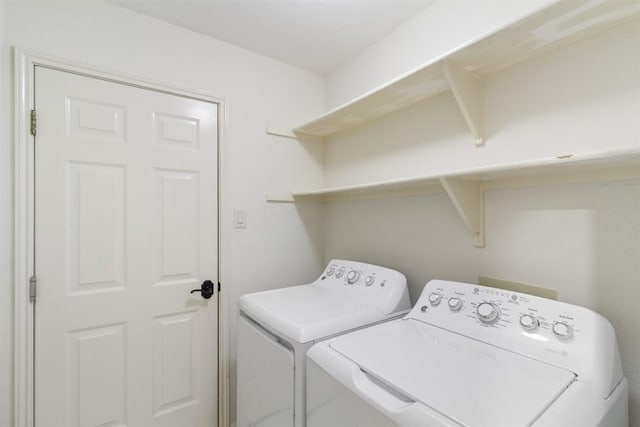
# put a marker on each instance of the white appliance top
(346, 296)
(466, 380)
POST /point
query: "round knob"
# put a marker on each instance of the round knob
(455, 303)
(434, 298)
(488, 312)
(529, 322)
(340, 273)
(353, 276)
(330, 271)
(369, 280)
(562, 330)
(424, 308)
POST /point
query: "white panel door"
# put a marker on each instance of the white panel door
(126, 226)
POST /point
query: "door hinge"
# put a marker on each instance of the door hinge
(33, 122)
(32, 288)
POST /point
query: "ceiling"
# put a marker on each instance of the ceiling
(317, 35)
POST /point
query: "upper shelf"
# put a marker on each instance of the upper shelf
(459, 69)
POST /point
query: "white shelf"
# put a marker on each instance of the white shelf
(461, 69)
(465, 187)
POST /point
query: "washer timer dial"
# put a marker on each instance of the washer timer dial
(353, 276)
(488, 312)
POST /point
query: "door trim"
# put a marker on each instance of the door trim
(23, 239)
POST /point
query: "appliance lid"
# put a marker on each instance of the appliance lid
(471, 382)
(309, 312)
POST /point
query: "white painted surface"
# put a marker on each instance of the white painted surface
(257, 91)
(441, 27)
(6, 231)
(317, 35)
(126, 226)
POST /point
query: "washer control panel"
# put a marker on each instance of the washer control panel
(367, 283)
(546, 329)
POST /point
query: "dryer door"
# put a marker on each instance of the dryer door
(265, 378)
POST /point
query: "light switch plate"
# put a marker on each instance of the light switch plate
(239, 218)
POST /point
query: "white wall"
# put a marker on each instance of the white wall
(441, 27)
(583, 239)
(6, 293)
(281, 240)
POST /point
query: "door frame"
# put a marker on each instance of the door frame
(23, 221)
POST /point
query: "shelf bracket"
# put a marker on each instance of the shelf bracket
(468, 199)
(467, 90)
(280, 198)
(281, 133)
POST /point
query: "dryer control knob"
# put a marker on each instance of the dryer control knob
(562, 330)
(488, 312)
(369, 280)
(330, 271)
(340, 273)
(353, 276)
(434, 298)
(529, 322)
(455, 303)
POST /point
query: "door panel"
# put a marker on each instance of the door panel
(126, 226)
(174, 362)
(177, 229)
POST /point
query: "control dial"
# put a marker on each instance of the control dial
(353, 276)
(562, 330)
(455, 303)
(369, 280)
(340, 273)
(434, 298)
(330, 271)
(529, 322)
(488, 312)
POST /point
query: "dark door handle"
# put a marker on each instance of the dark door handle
(206, 289)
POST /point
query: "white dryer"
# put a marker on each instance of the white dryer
(468, 355)
(277, 327)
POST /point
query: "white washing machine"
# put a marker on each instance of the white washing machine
(277, 327)
(468, 355)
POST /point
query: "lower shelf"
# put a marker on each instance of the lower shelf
(465, 188)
